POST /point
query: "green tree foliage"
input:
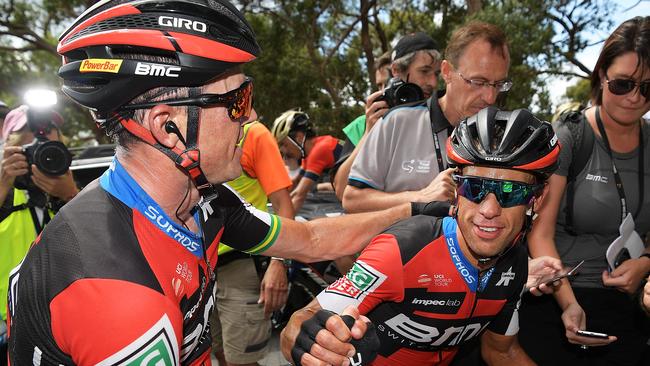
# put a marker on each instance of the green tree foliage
(579, 92)
(318, 55)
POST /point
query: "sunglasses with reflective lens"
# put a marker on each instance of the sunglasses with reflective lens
(238, 102)
(624, 86)
(508, 193)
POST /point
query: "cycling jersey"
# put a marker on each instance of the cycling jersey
(423, 295)
(323, 155)
(113, 280)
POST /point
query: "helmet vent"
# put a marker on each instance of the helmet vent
(139, 21)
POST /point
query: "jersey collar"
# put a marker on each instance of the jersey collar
(117, 181)
(462, 264)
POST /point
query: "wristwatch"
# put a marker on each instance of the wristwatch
(286, 262)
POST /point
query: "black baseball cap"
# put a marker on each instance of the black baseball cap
(411, 43)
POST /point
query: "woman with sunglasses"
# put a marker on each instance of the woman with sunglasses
(431, 284)
(614, 183)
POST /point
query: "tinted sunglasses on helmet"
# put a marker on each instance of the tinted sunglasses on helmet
(508, 193)
(624, 86)
(238, 102)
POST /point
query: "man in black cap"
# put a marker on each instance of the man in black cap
(416, 59)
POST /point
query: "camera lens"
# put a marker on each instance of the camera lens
(52, 158)
(408, 93)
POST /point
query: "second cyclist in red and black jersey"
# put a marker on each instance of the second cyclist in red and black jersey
(431, 284)
(429, 297)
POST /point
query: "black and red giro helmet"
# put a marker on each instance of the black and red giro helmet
(205, 37)
(504, 139)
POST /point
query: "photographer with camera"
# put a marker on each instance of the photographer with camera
(35, 181)
(408, 74)
(402, 159)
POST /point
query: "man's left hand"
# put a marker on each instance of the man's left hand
(274, 288)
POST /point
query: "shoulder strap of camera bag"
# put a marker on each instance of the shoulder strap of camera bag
(583, 142)
(436, 140)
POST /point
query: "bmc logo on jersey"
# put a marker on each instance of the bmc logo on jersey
(158, 346)
(361, 280)
(404, 330)
(157, 70)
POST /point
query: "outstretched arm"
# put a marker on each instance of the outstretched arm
(330, 238)
(355, 199)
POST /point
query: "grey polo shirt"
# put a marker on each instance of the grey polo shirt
(597, 207)
(398, 154)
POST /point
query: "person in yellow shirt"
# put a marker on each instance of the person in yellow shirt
(241, 327)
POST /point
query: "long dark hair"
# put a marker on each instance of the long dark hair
(633, 35)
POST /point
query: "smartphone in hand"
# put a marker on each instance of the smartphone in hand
(566, 272)
(586, 333)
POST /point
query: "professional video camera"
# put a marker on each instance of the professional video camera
(399, 92)
(50, 157)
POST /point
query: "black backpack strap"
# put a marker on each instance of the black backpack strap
(583, 142)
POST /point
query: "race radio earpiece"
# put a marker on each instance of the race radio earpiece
(170, 127)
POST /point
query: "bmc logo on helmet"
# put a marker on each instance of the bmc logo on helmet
(157, 70)
(173, 22)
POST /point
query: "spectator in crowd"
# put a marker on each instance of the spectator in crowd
(612, 184)
(415, 59)
(241, 327)
(125, 271)
(401, 161)
(431, 284)
(297, 139)
(27, 202)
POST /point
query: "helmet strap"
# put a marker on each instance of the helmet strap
(301, 146)
(187, 160)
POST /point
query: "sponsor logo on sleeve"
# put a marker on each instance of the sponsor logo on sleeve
(100, 65)
(158, 346)
(361, 280)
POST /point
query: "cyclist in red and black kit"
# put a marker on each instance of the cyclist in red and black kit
(430, 284)
(297, 139)
(124, 274)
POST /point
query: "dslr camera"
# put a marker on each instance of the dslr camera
(399, 92)
(50, 157)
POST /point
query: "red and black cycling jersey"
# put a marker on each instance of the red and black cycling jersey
(113, 280)
(424, 296)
